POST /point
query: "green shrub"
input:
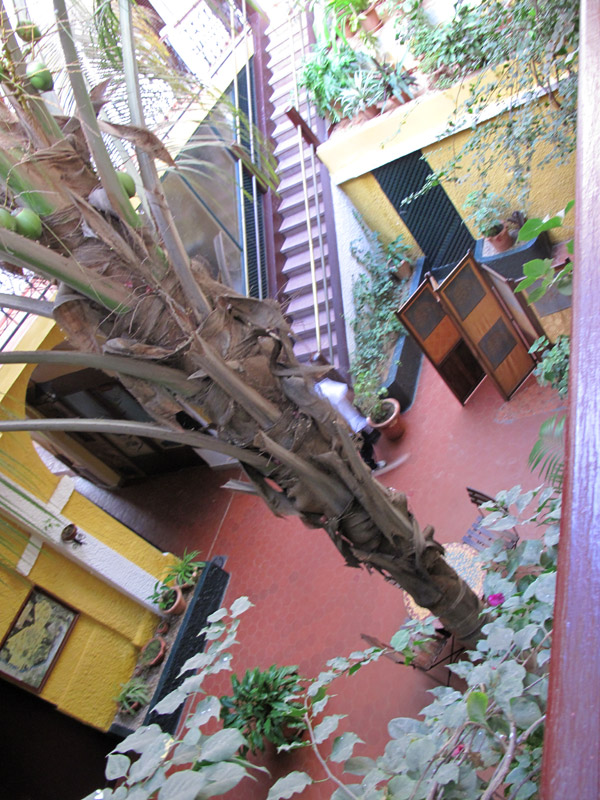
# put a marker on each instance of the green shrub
(263, 707)
(553, 369)
(376, 297)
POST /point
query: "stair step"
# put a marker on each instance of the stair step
(296, 221)
(292, 183)
(300, 282)
(291, 201)
(302, 306)
(298, 240)
(299, 261)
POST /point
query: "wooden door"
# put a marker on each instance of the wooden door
(486, 326)
(442, 341)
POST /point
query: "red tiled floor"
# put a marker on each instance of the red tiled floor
(309, 607)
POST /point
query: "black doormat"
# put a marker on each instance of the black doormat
(207, 598)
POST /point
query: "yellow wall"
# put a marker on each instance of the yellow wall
(350, 155)
(102, 649)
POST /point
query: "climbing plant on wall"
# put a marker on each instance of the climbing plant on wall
(529, 52)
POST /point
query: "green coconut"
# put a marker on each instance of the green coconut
(28, 223)
(40, 76)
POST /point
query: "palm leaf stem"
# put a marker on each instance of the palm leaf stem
(87, 115)
(125, 427)
(145, 370)
(154, 192)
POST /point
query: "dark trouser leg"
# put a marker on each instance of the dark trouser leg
(369, 436)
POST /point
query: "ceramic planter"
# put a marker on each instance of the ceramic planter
(179, 606)
(162, 649)
(370, 20)
(502, 241)
(394, 426)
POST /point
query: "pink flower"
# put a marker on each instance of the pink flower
(496, 599)
(458, 750)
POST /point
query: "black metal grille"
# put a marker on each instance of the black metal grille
(255, 244)
(432, 219)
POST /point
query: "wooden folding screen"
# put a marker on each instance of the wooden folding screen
(469, 327)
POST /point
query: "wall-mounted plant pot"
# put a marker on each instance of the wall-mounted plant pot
(393, 426)
(502, 241)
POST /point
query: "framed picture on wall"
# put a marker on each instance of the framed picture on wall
(33, 643)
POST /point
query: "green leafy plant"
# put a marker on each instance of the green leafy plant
(548, 453)
(532, 48)
(132, 695)
(184, 570)
(163, 596)
(376, 296)
(264, 706)
(541, 269)
(490, 211)
(325, 74)
(468, 743)
(342, 15)
(553, 369)
(150, 651)
(367, 88)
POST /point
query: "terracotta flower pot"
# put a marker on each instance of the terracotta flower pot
(394, 426)
(366, 114)
(179, 606)
(370, 20)
(153, 662)
(502, 241)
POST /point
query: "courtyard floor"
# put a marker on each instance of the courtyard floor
(309, 607)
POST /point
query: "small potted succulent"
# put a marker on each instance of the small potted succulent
(133, 694)
(169, 599)
(490, 212)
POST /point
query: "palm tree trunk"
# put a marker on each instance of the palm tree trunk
(230, 358)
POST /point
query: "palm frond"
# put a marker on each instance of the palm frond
(547, 454)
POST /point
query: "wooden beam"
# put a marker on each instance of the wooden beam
(571, 767)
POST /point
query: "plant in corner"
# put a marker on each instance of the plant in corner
(133, 694)
(264, 706)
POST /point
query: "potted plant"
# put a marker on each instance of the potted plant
(169, 599)
(324, 74)
(185, 571)
(132, 696)
(382, 413)
(359, 99)
(490, 211)
(398, 261)
(346, 17)
(153, 652)
(263, 707)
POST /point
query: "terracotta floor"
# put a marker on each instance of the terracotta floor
(309, 607)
